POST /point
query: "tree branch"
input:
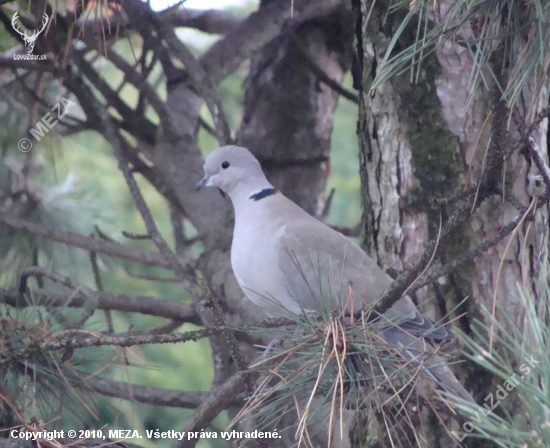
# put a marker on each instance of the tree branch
(136, 124)
(110, 248)
(148, 394)
(135, 78)
(217, 400)
(526, 141)
(401, 284)
(488, 185)
(322, 75)
(53, 343)
(105, 301)
(459, 261)
(258, 29)
(213, 21)
(220, 346)
(139, 11)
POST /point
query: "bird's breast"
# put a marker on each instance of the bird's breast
(255, 265)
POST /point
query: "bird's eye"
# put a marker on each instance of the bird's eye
(225, 164)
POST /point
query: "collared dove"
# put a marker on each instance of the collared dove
(288, 261)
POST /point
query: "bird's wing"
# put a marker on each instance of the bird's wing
(317, 261)
(320, 264)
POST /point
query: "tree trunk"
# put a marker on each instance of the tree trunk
(418, 143)
(288, 111)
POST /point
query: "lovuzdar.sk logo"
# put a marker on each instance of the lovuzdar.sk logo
(29, 38)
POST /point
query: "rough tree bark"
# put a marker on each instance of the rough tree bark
(417, 144)
(288, 111)
(406, 157)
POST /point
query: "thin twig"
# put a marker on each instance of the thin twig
(214, 21)
(527, 141)
(437, 203)
(110, 132)
(488, 185)
(395, 291)
(503, 258)
(197, 75)
(321, 74)
(151, 278)
(99, 286)
(135, 236)
(218, 399)
(459, 261)
(137, 79)
(208, 301)
(38, 271)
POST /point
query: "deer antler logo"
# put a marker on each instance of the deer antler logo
(29, 40)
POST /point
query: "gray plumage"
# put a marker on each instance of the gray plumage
(287, 261)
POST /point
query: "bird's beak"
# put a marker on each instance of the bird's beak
(202, 183)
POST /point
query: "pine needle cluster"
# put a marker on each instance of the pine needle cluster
(37, 385)
(516, 412)
(332, 368)
(478, 26)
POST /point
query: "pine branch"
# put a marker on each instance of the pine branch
(527, 142)
(259, 28)
(105, 301)
(322, 74)
(488, 185)
(110, 248)
(195, 73)
(53, 343)
(459, 261)
(213, 21)
(401, 284)
(217, 400)
(148, 394)
(208, 301)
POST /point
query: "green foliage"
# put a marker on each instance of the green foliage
(37, 384)
(478, 26)
(517, 411)
(54, 198)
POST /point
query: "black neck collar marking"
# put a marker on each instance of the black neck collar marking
(263, 194)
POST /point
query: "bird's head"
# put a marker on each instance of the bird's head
(233, 169)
